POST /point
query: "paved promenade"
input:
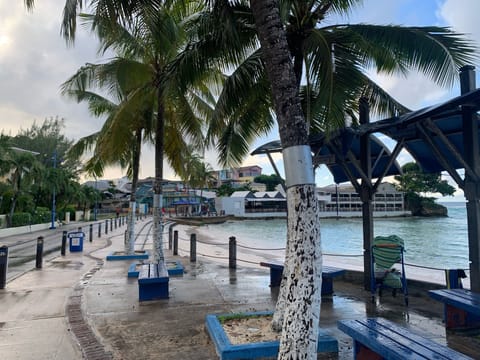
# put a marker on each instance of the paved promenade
(81, 306)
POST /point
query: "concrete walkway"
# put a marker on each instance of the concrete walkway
(82, 307)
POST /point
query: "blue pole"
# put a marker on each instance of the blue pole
(52, 226)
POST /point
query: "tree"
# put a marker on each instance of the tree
(414, 180)
(298, 306)
(331, 65)
(271, 181)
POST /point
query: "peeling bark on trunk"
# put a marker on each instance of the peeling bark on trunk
(299, 304)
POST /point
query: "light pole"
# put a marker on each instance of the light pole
(95, 208)
(52, 226)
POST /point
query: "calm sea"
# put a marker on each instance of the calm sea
(434, 242)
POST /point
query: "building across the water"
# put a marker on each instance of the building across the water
(334, 201)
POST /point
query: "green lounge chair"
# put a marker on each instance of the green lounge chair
(386, 252)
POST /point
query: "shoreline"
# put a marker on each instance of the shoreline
(213, 249)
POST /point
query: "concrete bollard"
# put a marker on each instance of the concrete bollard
(3, 265)
(64, 243)
(193, 247)
(91, 233)
(232, 252)
(175, 242)
(39, 256)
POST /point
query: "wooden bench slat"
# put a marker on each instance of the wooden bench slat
(395, 342)
(460, 298)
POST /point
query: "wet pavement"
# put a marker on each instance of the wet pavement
(81, 306)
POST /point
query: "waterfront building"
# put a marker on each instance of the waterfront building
(334, 201)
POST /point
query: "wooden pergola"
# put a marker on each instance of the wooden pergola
(443, 137)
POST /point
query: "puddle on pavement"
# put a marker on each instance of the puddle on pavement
(67, 264)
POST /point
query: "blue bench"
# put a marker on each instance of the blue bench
(153, 282)
(461, 308)
(378, 338)
(328, 273)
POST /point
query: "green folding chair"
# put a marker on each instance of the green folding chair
(386, 252)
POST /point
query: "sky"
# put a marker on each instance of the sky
(35, 61)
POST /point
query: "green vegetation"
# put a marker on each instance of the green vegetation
(413, 182)
(34, 165)
(271, 181)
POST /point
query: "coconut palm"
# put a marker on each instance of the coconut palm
(155, 45)
(331, 64)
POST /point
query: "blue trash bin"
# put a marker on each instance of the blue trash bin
(75, 240)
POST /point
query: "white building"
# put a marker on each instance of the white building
(334, 201)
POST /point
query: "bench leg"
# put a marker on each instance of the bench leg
(327, 286)
(275, 277)
(458, 319)
(364, 353)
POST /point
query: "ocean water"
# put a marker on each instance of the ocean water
(433, 242)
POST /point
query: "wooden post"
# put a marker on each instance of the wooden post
(232, 252)
(175, 242)
(193, 247)
(471, 187)
(366, 194)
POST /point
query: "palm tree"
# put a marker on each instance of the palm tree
(120, 139)
(331, 63)
(155, 45)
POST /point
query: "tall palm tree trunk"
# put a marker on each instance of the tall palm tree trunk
(133, 198)
(157, 189)
(299, 306)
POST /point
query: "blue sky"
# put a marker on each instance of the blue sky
(34, 61)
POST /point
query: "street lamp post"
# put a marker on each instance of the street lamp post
(52, 226)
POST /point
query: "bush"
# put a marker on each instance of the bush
(21, 219)
(42, 215)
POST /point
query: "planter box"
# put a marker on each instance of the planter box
(121, 255)
(227, 351)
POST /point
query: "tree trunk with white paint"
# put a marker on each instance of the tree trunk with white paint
(130, 245)
(298, 309)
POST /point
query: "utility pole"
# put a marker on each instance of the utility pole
(52, 226)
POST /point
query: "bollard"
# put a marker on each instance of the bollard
(170, 237)
(99, 229)
(116, 219)
(3, 265)
(79, 229)
(106, 226)
(38, 259)
(193, 247)
(175, 242)
(64, 243)
(91, 232)
(232, 252)
(111, 224)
